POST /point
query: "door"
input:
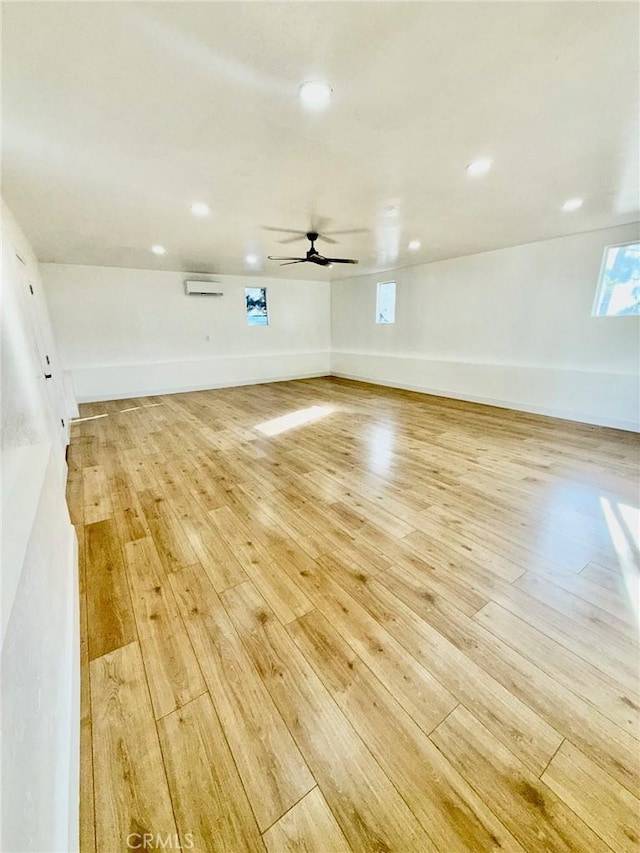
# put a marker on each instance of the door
(53, 389)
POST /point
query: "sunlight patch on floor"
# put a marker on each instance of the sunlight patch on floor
(380, 444)
(294, 419)
(119, 412)
(146, 406)
(92, 418)
(623, 522)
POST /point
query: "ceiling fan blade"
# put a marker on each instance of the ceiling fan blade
(304, 237)
(293, 239)
(313, 256)
(285, 230)
(349, 231)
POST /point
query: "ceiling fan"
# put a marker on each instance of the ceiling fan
(313, 255)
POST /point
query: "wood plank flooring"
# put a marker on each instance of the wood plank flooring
(326, 616)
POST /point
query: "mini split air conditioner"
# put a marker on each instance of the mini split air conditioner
(202, 288)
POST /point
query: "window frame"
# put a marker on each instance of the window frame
(600, 283)
(380, 284)
(266, 304)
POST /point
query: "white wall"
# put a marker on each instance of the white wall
(40, 640)
(126, 332)
(511, 327)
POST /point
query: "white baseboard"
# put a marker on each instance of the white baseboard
(41, 667)
(123, 381)
(629, 426)
(209, 386)
(590, 397)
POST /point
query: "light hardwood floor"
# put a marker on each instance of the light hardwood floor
(326, 616)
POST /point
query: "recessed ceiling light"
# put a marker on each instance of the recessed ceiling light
(315, 95)
(251, 260)
(572, 204)
(199, 208)
(414, 244)
(479, 167)
(158, 250)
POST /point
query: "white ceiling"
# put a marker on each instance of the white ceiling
(116, 116)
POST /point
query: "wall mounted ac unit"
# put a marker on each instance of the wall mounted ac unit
(202, 288)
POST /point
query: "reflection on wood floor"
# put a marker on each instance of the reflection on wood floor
(326, 616)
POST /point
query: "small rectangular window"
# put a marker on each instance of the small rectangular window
(257, 314)
(386, 302)
(618, 292)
